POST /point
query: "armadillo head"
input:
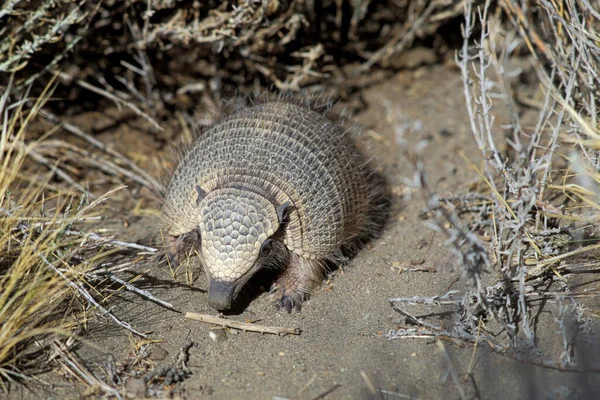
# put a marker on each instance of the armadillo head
(235, 228)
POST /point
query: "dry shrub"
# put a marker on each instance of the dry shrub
(164, 46)
(533, 228)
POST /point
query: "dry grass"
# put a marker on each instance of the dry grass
(30, 293)
(54, 277)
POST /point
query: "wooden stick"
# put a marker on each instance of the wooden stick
(242, 325)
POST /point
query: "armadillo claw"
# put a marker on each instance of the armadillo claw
(288, 303)
(286, 299)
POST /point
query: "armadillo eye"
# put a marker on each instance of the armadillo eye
(266, 247)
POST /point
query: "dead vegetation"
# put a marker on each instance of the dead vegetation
(152, 55)
(530, 222)
(527, 241)
(56, 274)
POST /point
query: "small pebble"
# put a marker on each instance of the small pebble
(218, 335)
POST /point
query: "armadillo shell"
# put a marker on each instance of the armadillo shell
(287, 153)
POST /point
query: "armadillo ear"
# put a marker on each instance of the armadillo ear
(201, 194)
(282, 211)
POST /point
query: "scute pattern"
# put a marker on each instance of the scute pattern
(233, 225)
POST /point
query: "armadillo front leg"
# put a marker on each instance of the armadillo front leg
(296, 282)
(174, 246)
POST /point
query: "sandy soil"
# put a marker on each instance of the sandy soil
(342, 352)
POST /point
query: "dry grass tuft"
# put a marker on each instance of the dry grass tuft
(30, 293)
(52, 275)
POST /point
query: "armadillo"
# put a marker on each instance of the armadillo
(272, 185)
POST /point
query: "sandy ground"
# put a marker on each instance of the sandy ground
(342, 352)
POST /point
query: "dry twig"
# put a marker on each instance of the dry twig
(242, 325)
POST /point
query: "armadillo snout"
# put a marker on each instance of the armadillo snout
(221, 294)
